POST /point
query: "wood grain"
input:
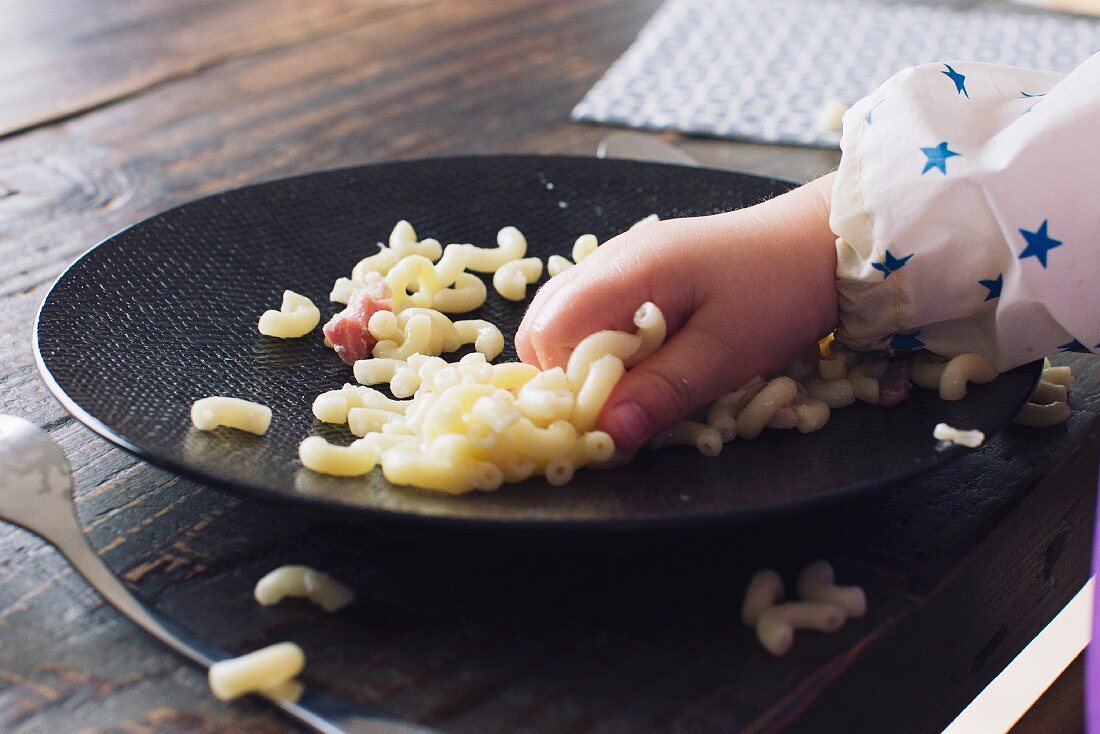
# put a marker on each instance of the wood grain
(64, 60)
(151, 107)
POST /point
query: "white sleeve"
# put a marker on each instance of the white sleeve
(967, 213)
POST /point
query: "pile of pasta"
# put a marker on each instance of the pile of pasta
(460, 426)
(475, 425)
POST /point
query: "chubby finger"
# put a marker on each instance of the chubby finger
(525, 347)
(692, 368)
(604, 291)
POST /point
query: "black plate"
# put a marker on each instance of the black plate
(165, 312)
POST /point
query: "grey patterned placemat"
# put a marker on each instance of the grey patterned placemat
(764, 69)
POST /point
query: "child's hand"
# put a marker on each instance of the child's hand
(742, 292)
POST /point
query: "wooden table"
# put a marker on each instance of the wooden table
(112, 111)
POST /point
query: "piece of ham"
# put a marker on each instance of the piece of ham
(786, 416)
(347, 331)
(894, 385)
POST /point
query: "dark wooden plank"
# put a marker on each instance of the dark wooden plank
(59, 59)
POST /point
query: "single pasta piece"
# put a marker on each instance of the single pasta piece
(383, 325)
(257, 671)
(811, 414)
(556, 265)
(765, 589)
(543, 444)
(817, 582)
(302, 582)
(1043, 416)
(512, 278)
(1058, 375)
(603, 375)
(513, 375)
(339, 461)
(651, 219)
(511, 245)
(1049, 392)
(585, 245)
(375, 371)
(864, 378)
(291, 690)
(362, 421)
(333, 406)
(380, 263)
(964, 369)
(547, 397)
(776, 626)
(652, 330)
(835, 394)
(690, 433)
(296, 317)
(413, 281)
(403, 241)
(603, 343)
(484, 335)
(832, 368)
(465, 295)
(342, 291)
(774, 395)
(971, 439)
(417, 340)
(452, 264)
(927, 369)
(559, 471)
(212, 412)
(722, 418)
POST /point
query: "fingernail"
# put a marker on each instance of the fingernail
(627, 424)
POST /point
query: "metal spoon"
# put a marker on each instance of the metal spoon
(36, 493)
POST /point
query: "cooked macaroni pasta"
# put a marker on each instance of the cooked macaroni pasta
(690, 433)
(259, 671)
(817, 582)
(210, 413)
(971, 439)
(302, 582)
(765, 589)
(556, 265)
(512, 278)
(585, 245)
(297, 316)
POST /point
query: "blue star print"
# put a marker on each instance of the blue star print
(1039, 243)
(937, 157)
(1074, 346)
(867, 117)
(890, 264)
(994, 287)
(906, 341)
(959, 79)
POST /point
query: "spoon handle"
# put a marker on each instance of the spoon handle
(318, 711)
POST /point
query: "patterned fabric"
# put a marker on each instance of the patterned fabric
(765, 70)
(967, 211)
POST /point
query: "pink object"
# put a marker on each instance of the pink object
(785, 417)
(894, 385)
(348, 331)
